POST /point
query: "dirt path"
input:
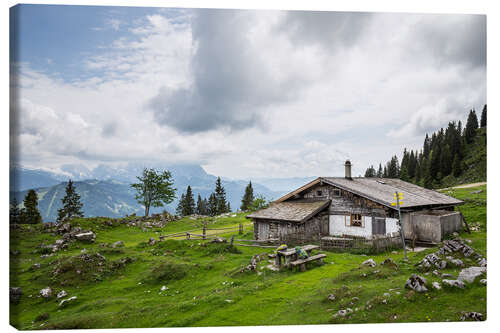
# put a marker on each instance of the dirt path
(465, 186)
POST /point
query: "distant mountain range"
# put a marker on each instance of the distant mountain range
(106, 191)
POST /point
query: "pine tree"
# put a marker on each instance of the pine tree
(220, 196)
(427, 148)
(483, 117)
(370, 172)
(471, 127)
(30, 214)
(212, 205)
(199, 205)
(380, 172)
(228, 207)
(180, 206)
(188, 206)
(14, 212)
(205, 207)
(246, 201)
(404, 174)
(446, 163)
(71, 204)
(457, 167)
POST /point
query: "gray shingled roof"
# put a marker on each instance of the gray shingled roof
(382, 190)
(296, 211)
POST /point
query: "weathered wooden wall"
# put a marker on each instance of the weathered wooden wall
(275, 229)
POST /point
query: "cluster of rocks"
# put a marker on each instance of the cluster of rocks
(146, 222)
(48, 293)
(450, 247)
(475, 316)
(466, 275)
(253, 264)
(69, 234)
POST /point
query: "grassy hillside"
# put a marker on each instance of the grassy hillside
(204, 288)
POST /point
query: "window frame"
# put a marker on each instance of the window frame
(359, 222)
(336, 192)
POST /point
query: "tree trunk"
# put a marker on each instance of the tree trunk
(147, 211)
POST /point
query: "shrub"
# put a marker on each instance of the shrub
(167, 271)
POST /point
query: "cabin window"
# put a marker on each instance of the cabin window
(336, 192)
(319, 193)
(356, 220)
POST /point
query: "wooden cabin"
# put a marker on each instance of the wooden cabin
(358, 207)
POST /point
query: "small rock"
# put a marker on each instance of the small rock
(36, 266)
(483, 281)
(436, 285)
(163, 288)
(229, 301)
(86, 236)
(370, 262)
(457, 263)
(152, 241)
(62, 294)
(387, 294)
(355, 299)
(345, 312)
(117, 244)
(65, 301)
(384, 301)
(331, 297)
(454, 283)
(46, 292)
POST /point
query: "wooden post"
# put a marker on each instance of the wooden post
(188, 235)
(204, 230)
(232, 240)
(401, 225)
(241, 228)
(463, 219)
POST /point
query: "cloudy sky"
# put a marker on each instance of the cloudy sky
(244, 93)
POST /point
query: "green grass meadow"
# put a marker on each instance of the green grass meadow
(203, 285)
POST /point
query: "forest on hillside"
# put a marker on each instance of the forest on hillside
(448, 157)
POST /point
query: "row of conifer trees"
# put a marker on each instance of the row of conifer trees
(442, 154)
(215, 204)
(29, 213)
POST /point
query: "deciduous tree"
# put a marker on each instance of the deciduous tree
(154, 189)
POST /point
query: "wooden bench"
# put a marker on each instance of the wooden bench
(291, 254)
(302, 262)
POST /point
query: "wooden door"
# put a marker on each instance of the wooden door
(378, 226)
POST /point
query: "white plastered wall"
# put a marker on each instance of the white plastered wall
(340, 225)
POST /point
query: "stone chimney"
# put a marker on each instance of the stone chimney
(348, 169)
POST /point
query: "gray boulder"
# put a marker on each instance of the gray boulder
(62, 294)
(417, 283)
(88, 236)
(370, 262)
(471, 273)
(454, 283)
(436, 285)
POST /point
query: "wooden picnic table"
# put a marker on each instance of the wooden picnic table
(291, 255)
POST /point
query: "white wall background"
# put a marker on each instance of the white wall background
(339, 225)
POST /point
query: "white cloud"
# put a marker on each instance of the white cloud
(292, 105)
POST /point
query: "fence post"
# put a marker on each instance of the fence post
(232, 240)
(241, 229)
(188, 235)
(204, 230)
